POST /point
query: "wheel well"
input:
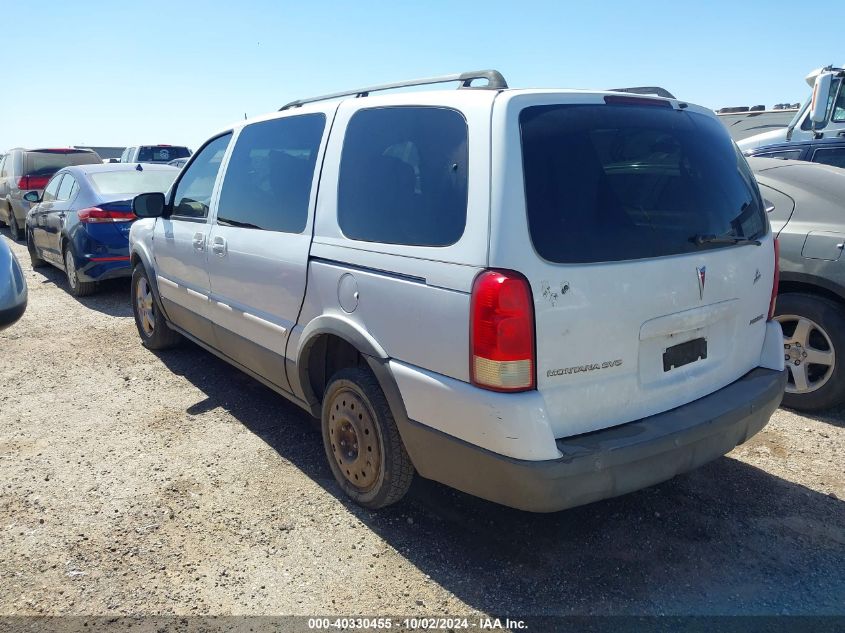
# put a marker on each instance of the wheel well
(785, 287)
(134, 259)
(327, 355)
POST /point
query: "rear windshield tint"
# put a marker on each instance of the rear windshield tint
(619, 182)
(161, 154)
(47, 163)
(134, 181)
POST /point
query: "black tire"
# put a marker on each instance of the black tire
(828, 317)
(34, 259)
(76, 287)
(14, 230)
(156, 335)
(382, 481)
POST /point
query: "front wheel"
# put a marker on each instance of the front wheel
(152, 328)
(361, 441)
(813, 350)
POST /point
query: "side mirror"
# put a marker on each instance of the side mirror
(821, 97)
(770, 206)
(148, 205)
(13, 292)
(32, 196)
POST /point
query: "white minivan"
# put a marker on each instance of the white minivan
(540, 297)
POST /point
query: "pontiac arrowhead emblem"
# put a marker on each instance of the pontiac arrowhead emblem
(702, 278)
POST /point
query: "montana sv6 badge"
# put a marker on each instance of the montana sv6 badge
(579, 368)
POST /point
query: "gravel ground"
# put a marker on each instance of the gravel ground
(142, 483)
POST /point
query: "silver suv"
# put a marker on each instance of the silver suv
(806, 203)
(540, 297)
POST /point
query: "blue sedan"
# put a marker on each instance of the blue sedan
(81, 222)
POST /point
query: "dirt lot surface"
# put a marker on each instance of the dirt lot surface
(134, 482)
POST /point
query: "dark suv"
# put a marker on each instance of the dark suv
(828, 151)
(23, 170)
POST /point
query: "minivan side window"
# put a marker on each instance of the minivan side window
(51, 189)
(267, 184)
(193, 193)
(403, 176)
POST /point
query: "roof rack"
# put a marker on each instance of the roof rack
(495, 81)
(657, 91)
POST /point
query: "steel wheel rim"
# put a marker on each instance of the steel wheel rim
(70, 269)
(810, 364)
(144, 304)
(354, 441)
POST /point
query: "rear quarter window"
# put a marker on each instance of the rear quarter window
(403, 176)
(620, 182)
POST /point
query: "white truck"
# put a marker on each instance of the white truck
(822, 116)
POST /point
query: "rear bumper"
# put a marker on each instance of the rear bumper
(605, 463)
(102, 270)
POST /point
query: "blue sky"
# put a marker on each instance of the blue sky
(145, 71)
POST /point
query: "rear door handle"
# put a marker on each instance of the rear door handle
(218, 245)
(199, 241)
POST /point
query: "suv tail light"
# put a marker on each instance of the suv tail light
(775, 281)
(94, 215)
(27, 183)
(502, 356)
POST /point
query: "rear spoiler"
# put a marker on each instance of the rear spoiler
(656, 91)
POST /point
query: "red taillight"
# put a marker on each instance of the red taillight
(502, 332)
(775, 281)
(93, 215)
(27, 183)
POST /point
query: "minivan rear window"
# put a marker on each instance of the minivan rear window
(48, 162)
(159, 154)
(619, 182)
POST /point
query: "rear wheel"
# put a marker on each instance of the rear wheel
(362, 443)
(14, 231)
(77, 288)
(154, 331)
(35, 260)
(813, 349)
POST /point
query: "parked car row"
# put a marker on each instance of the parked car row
(74, 211)
(577, 302)
(80, 223)
(23, 170)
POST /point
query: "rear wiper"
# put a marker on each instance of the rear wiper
(699, 240)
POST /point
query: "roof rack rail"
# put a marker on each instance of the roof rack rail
(495, 81)
(657, 91)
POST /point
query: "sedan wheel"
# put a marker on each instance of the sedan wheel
(808, 354)
(70, 271)
(77, 288)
